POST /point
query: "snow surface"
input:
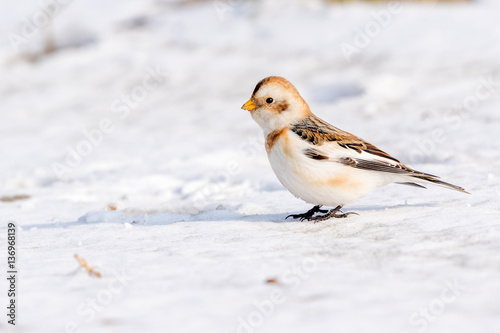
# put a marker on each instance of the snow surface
(198, 238)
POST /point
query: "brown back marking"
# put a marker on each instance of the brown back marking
(317, 131)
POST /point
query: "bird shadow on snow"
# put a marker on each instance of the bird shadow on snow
(165, 218)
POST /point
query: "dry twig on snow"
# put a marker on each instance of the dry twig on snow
(84, 264)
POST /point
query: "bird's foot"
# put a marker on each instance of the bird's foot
(309, 215)
(336, 213)
(331, 214)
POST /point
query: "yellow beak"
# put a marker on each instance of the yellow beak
(249, 106)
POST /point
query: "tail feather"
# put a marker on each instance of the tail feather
(436, 181)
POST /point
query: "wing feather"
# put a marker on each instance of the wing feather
(318, 132)
(330, 144)
(358, 153)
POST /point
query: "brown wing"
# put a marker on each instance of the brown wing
(318, 132)
(382, 166)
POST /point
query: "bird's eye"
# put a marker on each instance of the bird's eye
(269, 100)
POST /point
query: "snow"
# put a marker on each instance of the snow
(175, 203)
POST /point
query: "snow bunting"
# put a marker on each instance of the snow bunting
(318, 162)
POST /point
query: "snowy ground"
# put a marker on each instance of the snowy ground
(199, 222)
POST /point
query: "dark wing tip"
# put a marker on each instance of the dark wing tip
(441, 183)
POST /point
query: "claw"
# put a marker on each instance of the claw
(346, 214)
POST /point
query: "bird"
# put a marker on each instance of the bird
(318, 162)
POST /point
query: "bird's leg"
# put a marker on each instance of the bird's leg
(336, 212)
(309, 214)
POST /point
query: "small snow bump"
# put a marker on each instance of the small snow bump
(105, 217)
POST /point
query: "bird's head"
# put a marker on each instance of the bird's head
(275, 104)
